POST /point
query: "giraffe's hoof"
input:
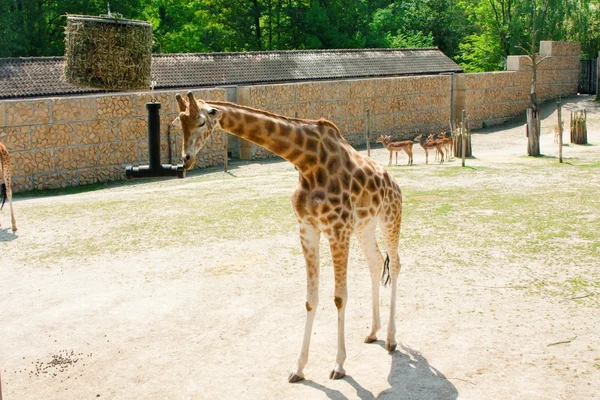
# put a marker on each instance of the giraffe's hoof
(337, 374)
(390, 347)
(293, 378)
(370, 339)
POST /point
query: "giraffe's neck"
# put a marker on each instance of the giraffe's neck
(304, 143)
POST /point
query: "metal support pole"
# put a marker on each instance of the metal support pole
(560, 132)
(463, 137)
(155, 168)
(368, 133)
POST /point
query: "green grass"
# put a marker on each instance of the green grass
(533, 213)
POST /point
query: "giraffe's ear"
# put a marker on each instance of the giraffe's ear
(176, 122)
(214, 113)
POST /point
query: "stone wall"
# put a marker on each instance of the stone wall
(493, 97)
(397, 106)
(71, 141)
(59, 142)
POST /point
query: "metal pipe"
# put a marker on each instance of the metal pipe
(155, 168)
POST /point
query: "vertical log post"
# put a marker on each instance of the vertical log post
(560, 132)
(463, 137)
(226, 145)
(368, 133)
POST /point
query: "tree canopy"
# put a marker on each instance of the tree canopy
(478, 34)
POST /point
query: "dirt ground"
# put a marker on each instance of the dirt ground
(194, 288)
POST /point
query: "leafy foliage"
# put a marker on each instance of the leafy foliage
(478, 34)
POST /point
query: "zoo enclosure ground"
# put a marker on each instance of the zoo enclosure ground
(195, 288)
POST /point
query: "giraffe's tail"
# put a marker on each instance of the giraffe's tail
(2, 195)
(385, 274)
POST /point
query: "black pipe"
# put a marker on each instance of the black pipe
(155, 169)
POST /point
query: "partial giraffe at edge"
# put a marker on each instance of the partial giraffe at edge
(5, 187)
(340, 192)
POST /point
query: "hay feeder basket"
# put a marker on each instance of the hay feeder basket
(107, 52)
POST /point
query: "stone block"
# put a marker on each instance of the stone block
(51, 136)
(73, 109)
(257, 97)
(115, 106)
(134, 128)
(358, 90)
(26, 163)
(217, 94)
(121, 153)
(55, 180)
(309, 92)
(356, 125)
(383, 125)
(16, 138)
(278, 95)
(98, 131)
(560, 48)
(335, 90)
(22, 184)
(27, 112)
(73, 158)
(166, 100)
(2, 115)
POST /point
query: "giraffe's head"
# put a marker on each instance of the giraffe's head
(197, 120)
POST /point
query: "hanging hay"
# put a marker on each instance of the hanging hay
(108, 53)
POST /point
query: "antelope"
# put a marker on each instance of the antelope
(429, 146)
(392, 147)
(439, 152)
(557, 131)
(448, 144)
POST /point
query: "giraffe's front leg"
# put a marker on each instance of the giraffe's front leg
(309, 237)
(339, 253)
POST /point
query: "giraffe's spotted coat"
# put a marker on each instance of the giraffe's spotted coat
(339, 193)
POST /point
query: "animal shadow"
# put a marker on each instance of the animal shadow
(6, 235)
(411, 377)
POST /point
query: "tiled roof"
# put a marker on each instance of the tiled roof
(42, 76)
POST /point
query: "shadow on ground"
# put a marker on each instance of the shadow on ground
(411, 377)
(6, 235)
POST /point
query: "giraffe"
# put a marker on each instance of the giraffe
(6, 191)
(339, 193)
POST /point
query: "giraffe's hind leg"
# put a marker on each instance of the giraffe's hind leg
(10, 205)
(391, 233)
(368, 243)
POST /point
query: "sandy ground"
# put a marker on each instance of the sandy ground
(182, 306)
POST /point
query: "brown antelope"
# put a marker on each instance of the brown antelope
(438, 153)
(557, 131)
(430, 146)
(392, 147)
(5, 188)
(448, 144)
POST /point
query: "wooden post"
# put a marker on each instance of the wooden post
(560, 132)
(463, 137)
(226, 141)
(368, 133)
